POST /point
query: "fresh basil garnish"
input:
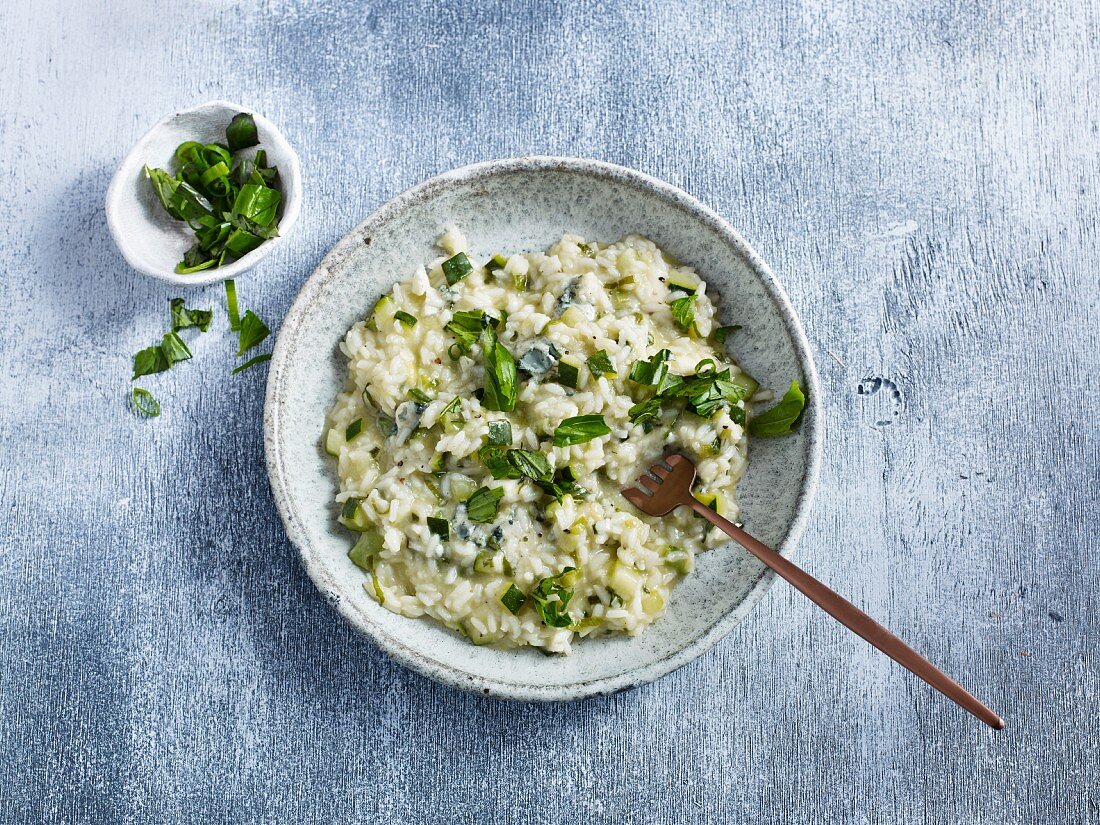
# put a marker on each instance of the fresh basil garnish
(182, 317)
(481, 507)
(783, 418)
(552, 595)
(500, 433)
(652, 371)
(405, 318)
(579, 429)
(251, 362)
(241, 132)
(252, 332)
(646, 413)
(683, 310)
(501, 377)
(722, 333)
(600, 364)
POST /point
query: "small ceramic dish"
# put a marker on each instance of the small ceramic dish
(148, 237)
(510, 206)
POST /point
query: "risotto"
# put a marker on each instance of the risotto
(492, 413)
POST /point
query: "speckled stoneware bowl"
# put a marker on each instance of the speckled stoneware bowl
(511, 206)
(150, 239)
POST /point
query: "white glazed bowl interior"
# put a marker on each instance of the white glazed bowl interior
(150, 239)
(509, 206)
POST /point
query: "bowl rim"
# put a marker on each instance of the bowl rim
(290, 176)
(812, 426)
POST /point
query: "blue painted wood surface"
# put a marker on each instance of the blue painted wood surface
(923, 178)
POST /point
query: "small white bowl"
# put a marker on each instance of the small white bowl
(150, 239)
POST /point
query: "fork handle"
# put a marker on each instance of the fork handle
(853, 618)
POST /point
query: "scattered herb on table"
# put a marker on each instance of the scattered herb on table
(229, 202)
(145, 403)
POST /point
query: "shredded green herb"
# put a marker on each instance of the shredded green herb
(145, 403)
(683, 310)
(230, 203)
(722, 333)
(579, 429)
(500, 433)
(783, 418)
(451, 417)
(251, 362)
(467, 325)
(646, 413)
(651, 371)
(600, 364)
(481, 507)
(501, 377)
(231, 305)
(182, 317)
(552, 595)
(405, 318)
(420, 396)
(252, 332)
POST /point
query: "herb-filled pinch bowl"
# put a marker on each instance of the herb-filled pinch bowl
(152, 241)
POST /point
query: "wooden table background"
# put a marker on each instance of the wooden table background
(922, 177)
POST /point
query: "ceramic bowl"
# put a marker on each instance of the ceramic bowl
(510, 206)
(151, 240)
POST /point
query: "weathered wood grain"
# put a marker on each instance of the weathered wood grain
(924, 180)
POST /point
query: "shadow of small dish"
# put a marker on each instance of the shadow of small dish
(150, 239)
(517, 205)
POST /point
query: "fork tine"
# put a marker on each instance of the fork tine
(636, 497)
(660, 471)
(650, 484)
(672, 459)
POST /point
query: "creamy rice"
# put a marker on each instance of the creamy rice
(420, 456)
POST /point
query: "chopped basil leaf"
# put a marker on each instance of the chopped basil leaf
(451, 418)
(150, 360)
(513, 599)
(500, 433)
(652, 371)
(466, 327)
(145, 403)
(354, 430)
(174, 349)
(251, 362)
(439, 527)
(230, 205)
(481, 507)
(231, 305)
(552, 595)
(579, 429)
(530, 464)
(241, 132)
(722, 333)
(456, 268)
(646, 413)
(500, 374)
(405, 318)
(783, 418)
(683, 310)
(182, 317)
(420, 396)
(562, 484)
(252, 332)
(600, 364)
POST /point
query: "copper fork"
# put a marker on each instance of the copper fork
(669, 485)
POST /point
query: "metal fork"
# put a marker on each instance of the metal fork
(669, 486)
